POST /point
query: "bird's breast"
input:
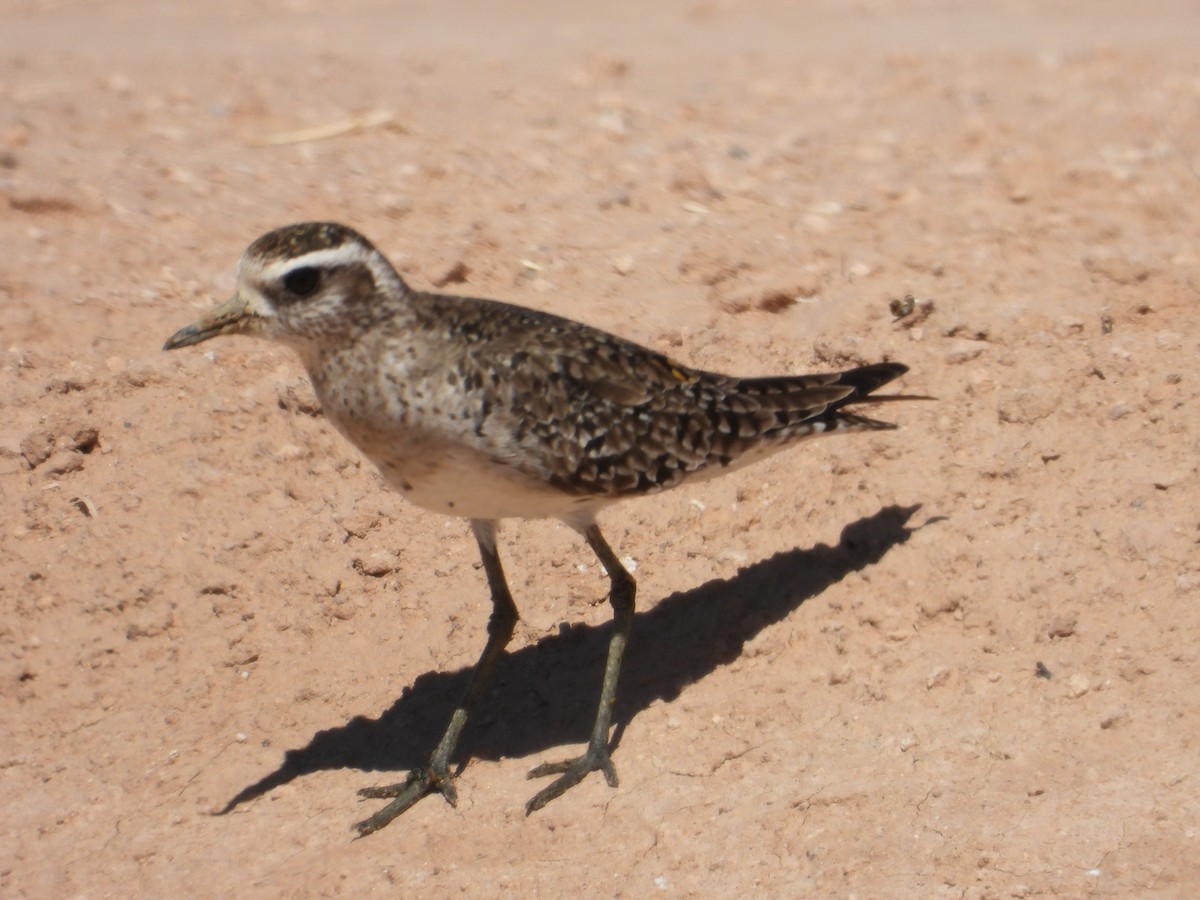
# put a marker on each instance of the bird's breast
(429, 442)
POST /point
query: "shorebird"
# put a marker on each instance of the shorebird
(487, 411)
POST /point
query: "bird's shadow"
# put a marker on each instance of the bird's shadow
(545, 695)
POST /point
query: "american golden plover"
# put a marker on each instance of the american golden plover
(487, 411)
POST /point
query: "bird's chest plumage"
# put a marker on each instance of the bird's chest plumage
(412, 419)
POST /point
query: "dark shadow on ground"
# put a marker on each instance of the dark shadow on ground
(545, 695)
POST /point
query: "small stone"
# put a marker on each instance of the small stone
(1062, 626)
(1077, 686)
(623, 265)
(377, 564)
(358, 523)
(937, 678)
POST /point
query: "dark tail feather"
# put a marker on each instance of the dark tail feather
(814, 404)
(863, 382)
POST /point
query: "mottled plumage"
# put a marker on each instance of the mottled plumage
(486, 410)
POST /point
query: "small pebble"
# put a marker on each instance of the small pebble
(1062, 626)
(937, 678)
(623, 265)
(1077, 686)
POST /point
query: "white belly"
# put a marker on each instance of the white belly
(459, 481)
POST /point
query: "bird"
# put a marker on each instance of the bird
(487, 411)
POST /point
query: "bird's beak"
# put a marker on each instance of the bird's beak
(231, 317)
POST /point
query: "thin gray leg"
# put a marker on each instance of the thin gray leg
(596, 757)
(435, 776)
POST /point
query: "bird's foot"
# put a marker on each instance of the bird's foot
(571, 772)
(405, 794)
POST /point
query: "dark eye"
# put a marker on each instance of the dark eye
(302, 281)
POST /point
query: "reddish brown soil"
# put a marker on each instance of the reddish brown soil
(833, 688)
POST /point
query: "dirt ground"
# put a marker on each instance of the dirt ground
(959, 659)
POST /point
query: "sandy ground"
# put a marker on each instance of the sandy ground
(958, 659)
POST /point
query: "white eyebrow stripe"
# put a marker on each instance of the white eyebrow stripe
(327, 258)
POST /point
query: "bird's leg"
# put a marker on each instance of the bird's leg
(435, 776)
(596, 757)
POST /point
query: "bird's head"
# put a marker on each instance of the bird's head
(302, 284)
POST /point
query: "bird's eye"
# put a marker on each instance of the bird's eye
(302, 281)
